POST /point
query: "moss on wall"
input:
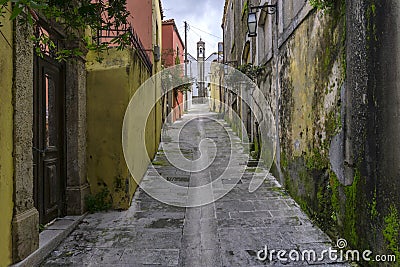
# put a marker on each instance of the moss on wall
(312, 72)
(350, 213)
(110, 85)
(6, 142)
(391, 231)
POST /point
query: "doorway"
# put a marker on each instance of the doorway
(49, 140)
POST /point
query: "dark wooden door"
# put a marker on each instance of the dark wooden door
(49, 167)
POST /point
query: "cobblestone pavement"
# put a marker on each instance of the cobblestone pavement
(227, 232)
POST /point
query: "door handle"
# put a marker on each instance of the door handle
(42, 152)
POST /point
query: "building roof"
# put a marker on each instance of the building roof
(172, 22)
(214, 57)
(161, 9)
(191, 58)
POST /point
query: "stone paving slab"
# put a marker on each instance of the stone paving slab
(50, 238)
(227, 232)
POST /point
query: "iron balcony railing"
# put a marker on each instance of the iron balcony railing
(106, 35)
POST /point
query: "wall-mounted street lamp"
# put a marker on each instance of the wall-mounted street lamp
(232, 63)
(252, 17)
(226, 69)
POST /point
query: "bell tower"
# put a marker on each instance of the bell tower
(200, 50)
(200, 62)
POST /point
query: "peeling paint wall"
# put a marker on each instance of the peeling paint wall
(330, 78)
(311, 76)
(110, 86)
(338, 120)
(311, 69)
(6, 142)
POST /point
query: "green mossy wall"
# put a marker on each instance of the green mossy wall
(318, 66)
(312, 73)
(111, 85)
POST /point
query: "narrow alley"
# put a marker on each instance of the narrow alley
(199, 133)
(227, 232)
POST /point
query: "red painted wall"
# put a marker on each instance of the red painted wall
(141, 19)
(167, 44)
(171, 40)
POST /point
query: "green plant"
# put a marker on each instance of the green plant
(251, 70)
(74, 17)
(98, 202)
(41, 227)
(322, 4)
(174, 78)
(233, 78)
(177, 60)
(159, 163)
(245, 8)
(316, 161)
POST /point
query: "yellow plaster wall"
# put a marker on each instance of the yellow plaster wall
(157, 40)
(315, 71)
(6, 142)
(110, 86)
(214, 92)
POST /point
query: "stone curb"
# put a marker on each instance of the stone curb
(50, 238)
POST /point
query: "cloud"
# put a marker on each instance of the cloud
(203, 15)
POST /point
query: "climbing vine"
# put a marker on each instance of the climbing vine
(251, 70)
(325, 5)
(173, 76)
(74, 17)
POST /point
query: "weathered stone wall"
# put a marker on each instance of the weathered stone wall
(330, 77)
(310, 79)
(372, 114)
(110, 86)
(25, 226)
(235, 36)
(76, 130)
(6, 141)
(16, 97)
(338, 118)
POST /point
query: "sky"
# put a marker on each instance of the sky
(204, 18)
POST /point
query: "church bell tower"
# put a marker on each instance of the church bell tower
(200, 62)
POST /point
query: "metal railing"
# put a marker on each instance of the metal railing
(106, 35)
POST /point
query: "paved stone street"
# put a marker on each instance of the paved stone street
(227, 232)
